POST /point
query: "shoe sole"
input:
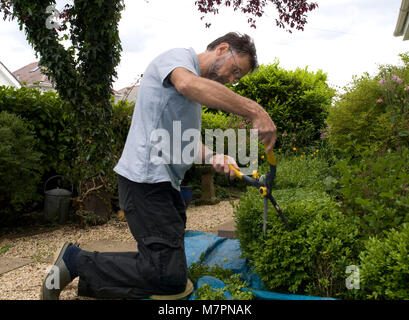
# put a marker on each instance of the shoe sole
(178, 296)
(57, 255)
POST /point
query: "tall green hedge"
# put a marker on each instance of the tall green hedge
(50, 121)
(49, 117)
(297, 101)
(20, 167)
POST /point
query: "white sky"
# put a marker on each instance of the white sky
(342, 37)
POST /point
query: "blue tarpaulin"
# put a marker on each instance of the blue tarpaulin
(227, 254)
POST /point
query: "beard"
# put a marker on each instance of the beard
(213, 73)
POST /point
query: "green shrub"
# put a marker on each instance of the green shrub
(20, 169)
(375, 189)
(373, 112)
(301, 171)
(297, 101)
(50, 119)
(309, 259)
(384, 271)
(121, 122)
(213, 120)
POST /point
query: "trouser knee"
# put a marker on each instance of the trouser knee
(169, 266)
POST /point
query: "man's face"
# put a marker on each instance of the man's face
(229, 67)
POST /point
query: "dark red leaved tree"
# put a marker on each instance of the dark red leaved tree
(291, 13)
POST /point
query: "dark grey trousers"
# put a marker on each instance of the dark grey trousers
(156, 215)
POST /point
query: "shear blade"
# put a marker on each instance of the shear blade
(265, 216)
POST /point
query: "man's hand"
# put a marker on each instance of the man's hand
(221, 163)
(267, 131)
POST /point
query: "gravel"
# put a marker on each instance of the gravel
(24, 283)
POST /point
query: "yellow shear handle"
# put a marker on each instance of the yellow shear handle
(237, 172)
(271, 158)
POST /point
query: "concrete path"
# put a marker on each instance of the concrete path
(8, 264)
(110, 246)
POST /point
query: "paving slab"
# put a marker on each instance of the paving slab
(110, 246)
(227, 229)
(9, 264)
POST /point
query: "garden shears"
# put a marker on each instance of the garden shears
(264, 185)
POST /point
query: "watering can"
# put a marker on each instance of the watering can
(57, 202)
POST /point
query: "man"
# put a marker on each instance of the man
(174, 87)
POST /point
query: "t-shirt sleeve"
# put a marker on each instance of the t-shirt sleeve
(172, 59)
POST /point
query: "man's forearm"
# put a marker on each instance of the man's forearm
(217, 96)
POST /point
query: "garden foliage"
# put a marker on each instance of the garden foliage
(297, 101)
(385, 265)
(20, 168)
(311, 257)
(375, 190)
(50, 121)
(49, 117)
(348, 206)
(373, 112)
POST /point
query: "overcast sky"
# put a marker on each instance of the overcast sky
(343, 37)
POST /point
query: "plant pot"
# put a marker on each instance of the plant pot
(187, 193)
(99, 202)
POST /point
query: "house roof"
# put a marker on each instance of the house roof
(128, 93)
(31, 73)
(402, 25)
(13, 80)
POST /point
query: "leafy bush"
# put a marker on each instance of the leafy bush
(384, 271)
(121, 122)
(297, 101)
(301, 171)
(50, 119)
(375, 189)
(309, 259)
(20, 168)
(213, 120)
(373, 112)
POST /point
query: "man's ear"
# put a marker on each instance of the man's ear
(222, 49)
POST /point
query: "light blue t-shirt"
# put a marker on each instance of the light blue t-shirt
(160, 108)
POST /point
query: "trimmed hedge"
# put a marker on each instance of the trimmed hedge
(20, 166)
(297, 101)
(49, 118)
(311, 258)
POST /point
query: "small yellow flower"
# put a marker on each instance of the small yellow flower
(316, 151)
(262, 157)
(294, 148)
